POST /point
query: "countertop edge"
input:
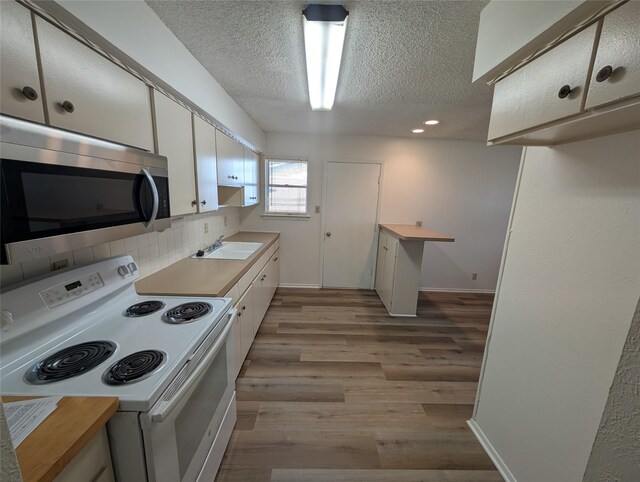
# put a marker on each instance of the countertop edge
(436, 237)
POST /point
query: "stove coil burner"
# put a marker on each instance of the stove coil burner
(133, 368)
(187, 312)
(144, 308)
(70, 362)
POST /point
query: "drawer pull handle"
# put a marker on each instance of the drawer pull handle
(30, 93)
(564, 91)
(604, 73)
(68, 106)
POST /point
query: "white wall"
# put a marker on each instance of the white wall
(152, 251)
(132, 27)
(564, 305)
(458, 187)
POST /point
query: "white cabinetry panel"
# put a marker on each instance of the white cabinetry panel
(18, 65)
(230, 161)
(251, 196)
(619, 50)
(529, 97)
(101, 99)
(204, 135)
(175, 140)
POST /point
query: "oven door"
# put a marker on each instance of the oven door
(180, 429)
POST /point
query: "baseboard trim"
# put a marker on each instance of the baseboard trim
(294, 285)
(456, 290)
(491, 451)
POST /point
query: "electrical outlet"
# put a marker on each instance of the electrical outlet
(225, 221)
(474, 276)
(206, 228)
(419, 224)
(60, 264)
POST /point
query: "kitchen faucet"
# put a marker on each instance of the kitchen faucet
(216, 245)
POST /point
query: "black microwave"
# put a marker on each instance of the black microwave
(62, 191)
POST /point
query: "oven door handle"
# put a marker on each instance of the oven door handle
(156, 198)
(165, 408)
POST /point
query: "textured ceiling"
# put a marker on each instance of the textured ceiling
(404, 62)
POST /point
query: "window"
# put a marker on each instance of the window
(286, 191)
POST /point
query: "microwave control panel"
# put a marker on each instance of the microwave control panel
(65, 292)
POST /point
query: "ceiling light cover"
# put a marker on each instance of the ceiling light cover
(431, 122)
(324, 31)
(417, 131)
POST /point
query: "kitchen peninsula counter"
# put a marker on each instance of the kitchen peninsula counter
(205, 277)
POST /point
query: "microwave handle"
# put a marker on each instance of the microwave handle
(156, 199)
(166, 408)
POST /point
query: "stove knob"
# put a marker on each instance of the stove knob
(123, 271)
(133, 267)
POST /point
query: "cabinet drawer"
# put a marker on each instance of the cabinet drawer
(616, 70)
(107, 101)
(234, 294)
(530, 97)
(93, 462)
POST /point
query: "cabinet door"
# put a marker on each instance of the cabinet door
(388, 278)
(204, 135)
(261, 302)
(616, 71)
(250, 178)
(18, 65)
(238, 357)
(275, 274)
(175, 140)
(245, 315)
(107, 101)
(530, 96)
(382, 245)
(230, 161)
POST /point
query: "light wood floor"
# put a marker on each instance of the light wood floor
(334, 389)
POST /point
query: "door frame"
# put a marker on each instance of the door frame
(323, 209)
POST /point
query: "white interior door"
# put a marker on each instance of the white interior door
(352, 192)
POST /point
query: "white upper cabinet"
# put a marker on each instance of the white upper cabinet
(175, 141)
(616, 71)
(549, 88)
(87, 93)
(20, 94)
(204, 136)
(230, 161)
(251, 191)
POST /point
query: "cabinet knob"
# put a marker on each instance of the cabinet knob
(194, 203)
(276, 259)
(328, 234)
(604, 73)
(29, 92)
(564, 91)
(68, 106)
(203, 202)
(244, 308)
(239, 314)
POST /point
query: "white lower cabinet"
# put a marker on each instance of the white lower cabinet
(398, 273)
(93, 462)
(253, 304)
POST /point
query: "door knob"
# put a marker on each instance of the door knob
(328, 234)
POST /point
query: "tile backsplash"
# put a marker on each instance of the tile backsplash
(152, 251)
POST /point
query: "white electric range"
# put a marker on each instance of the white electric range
(86, 332)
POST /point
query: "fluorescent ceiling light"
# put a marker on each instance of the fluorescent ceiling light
(324, 31)
(431, 122)
(417, 131)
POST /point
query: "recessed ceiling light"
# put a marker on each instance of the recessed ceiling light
(417, 131)
(431, 122)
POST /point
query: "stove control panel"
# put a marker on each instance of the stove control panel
(65, 292)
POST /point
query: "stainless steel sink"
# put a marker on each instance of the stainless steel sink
(232, 250)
